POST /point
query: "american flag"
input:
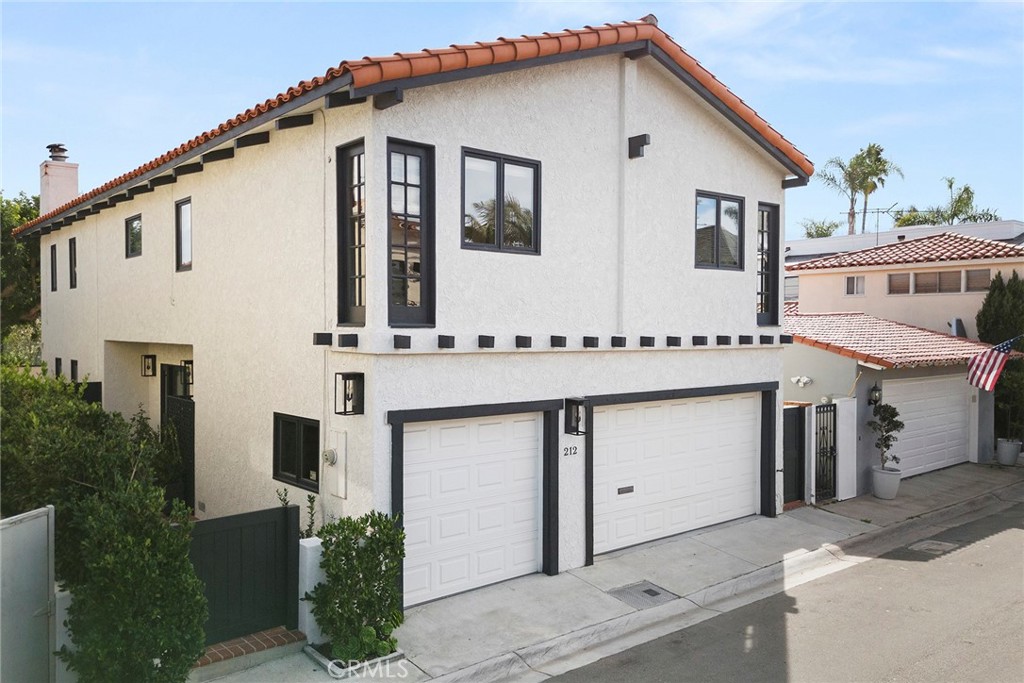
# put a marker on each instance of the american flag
(984, 369)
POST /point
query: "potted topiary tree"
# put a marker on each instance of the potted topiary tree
(885, 481)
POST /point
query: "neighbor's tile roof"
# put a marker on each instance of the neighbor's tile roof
(370, 71)
(882, 342)
(947, 246)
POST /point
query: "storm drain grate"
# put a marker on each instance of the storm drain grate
(643, 595)
(933, 547)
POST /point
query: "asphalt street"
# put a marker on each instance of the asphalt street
(950, 609)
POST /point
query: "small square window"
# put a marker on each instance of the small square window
(978, 280)
(949, 282)
(297, 451)
(719, 232)
(183, 235)
(133, 236)
(792, 288)
(500, 202)
(899, 283)
(854, 285)
(926, 283)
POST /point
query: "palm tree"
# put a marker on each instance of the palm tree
(959, 209)
(846, 178)
(876, 169)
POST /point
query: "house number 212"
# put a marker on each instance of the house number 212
(569, 450)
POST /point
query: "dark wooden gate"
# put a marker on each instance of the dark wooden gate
(825, 458)
(249, 566)
(793, 433)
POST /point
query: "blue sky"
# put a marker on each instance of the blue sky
(939, 85)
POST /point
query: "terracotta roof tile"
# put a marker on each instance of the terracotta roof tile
(881, 342)
(946, 246)
(373, 70)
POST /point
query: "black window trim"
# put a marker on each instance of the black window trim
(127, 234)
(297, 480)
(178, 265)
(499, 158)
(718, 196)
(771, 316)
(348, 315)
(423, 315)
(73, 263)
(53, 267)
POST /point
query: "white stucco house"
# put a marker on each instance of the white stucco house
(397, 286)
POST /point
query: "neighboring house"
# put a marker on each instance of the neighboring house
(484, 241)
(920, 372)
(928, 282)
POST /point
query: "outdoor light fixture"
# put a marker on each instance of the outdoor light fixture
(149, 365)
(187, 364)
(348, 393)
(875, 395)
(575, 412)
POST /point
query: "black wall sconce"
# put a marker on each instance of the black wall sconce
(348, 393)
(875, 395)
(149, 365)
(575, 416)
(187, 364)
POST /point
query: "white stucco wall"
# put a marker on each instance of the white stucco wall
(825, 291)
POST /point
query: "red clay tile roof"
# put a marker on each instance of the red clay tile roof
(790, 307)
(881, 342)
(947, 246)
(370, 71)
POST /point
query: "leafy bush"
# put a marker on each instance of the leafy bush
(22, 345)
(359, 605)
(138, 610)
(310, 530)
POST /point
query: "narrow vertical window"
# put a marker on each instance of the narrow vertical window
(352, 235)
(58, 367)
(74, 370)
(183, 234)
(73, 263)
(410, 235)
(767, 264)
(53, 267)
(133, 236)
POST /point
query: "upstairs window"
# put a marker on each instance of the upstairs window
(352, 235)
(899, 283)
(500, 202)
(854, 285)
(767, 264)
(411, 235)
(183, 235)
(978, 280)
(73, 263)
(719, 233)
(792, 288)
(297, 451)
(133, 236)
(53, 267)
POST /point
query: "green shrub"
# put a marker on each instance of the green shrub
(360, 605)
(22, 345)
(138, 609)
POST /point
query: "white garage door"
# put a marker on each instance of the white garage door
(668, 467)
(472, 503)
(935, 414)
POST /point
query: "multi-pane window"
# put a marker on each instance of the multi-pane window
(133, 236)
(352, 235)
(73, 263)
(53, 267)
(854, 285)
(940, 282)
(297, 451)
(767, 264)
(410, 235)
(899, 283)
(183, 235)
(500, 202)
(719, 233)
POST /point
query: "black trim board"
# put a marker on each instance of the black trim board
(768, 433)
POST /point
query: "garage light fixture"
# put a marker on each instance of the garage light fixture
(149, 365)
(575, 416)
(187, 364)
(348, 393)
(875, 395)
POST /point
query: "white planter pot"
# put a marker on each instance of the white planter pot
(1007, 451)
(885, 483)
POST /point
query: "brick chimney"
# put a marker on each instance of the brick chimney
(58, 180)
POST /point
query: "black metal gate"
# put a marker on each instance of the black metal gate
(793, 437)
(249, 566)
(825, 458)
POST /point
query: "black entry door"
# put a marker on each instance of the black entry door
(178, 409)
(793, 454)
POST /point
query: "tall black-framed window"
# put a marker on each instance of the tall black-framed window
(500, 202)
(74, 370)
(73, 263)
(410, 234)
(53, 267)
(133, 236)
(58, 367)
(297, 451)
(719, 233)
(352, 234)
(767, 264)
(183, 234)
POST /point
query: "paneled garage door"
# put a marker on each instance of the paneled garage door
(472, 503)
(935, 414)
(668, 467)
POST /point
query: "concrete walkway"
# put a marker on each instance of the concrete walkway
(531, 628)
